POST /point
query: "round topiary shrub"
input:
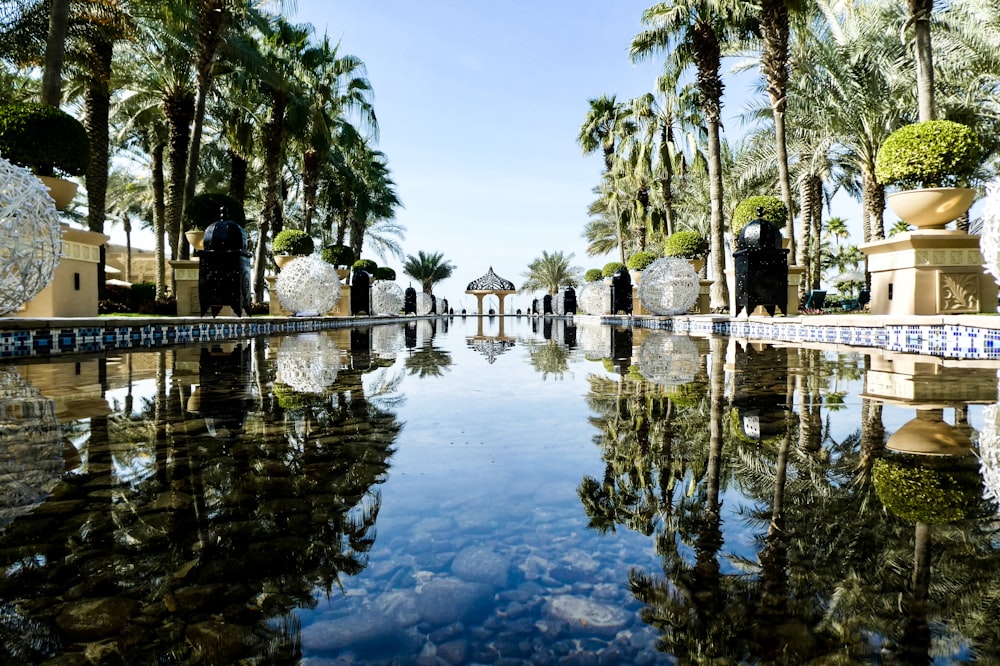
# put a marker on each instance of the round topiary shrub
(593, 275)
(294, 242)
(209, 207)
(385, 273)
(919, 489)
(686, 245)
(338, 255)
(366, 265)
(640, 260)
(44, 139)
(933, 153)
(611, 268)
(774, 211)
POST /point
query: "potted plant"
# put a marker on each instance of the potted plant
(772, 209)
(291, 243)
(931, 163)
(340, 257)
(51, 143)
(385, 273)
(593, 275)
(688, 245)
(366, 265)
(638, 262)
(206, 208)
(611, 268)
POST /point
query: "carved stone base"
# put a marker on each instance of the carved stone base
(929, 272)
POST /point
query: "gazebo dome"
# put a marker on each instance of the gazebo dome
(490, 282)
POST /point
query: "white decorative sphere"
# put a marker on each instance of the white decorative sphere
(669, 286)
(424, 303)
(30, 237)
(989, 237)
(594, 339)
(594, 298)
(387, 341)
(668, 359)
(387, 298)
(989, 453)
(308, 285)
(308, 362)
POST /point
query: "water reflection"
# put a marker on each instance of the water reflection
(221, 527)
(746, 502)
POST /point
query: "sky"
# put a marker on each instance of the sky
(479, 103)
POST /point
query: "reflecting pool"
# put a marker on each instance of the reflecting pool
(499, 491)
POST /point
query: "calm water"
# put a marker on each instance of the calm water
(497, 491)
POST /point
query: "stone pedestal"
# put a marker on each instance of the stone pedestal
(794, 280)
(274, 305)
(929, 272)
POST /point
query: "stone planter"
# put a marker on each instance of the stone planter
(196, 239)
(283, 260)
(931, 208)
(62, 191)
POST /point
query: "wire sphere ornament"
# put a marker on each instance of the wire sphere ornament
(32, 442)
(30, 237)
(668, 359)
(989, 237)
(669, 286)
(989, 453)
(594, 339)
(308, 363)
(594, 298)
(424, 303)
(387, 341)
(387, 298)
(308, 286)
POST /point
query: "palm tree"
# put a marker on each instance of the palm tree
(54, 49)
(337, 86)
(602, 126)
(428, 268)
(693, 32)
(549, 272)
(774, 29)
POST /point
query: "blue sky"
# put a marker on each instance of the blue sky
(479, 104)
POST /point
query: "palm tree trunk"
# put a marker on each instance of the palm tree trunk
(921, 19)
(872, 206)
(178, 110)
(54, 49)
(719, 289)
(159, 218)
(213, 18)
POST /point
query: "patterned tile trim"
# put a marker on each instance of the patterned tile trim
(952, 341)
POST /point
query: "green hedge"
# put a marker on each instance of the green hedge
(934, 153)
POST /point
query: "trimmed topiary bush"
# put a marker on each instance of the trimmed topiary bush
(366, 265)
(338, 255)
(924, 490)
(593, 275)
(209, 207)
(775, 212)
(294, 242)
(611, 268)
(640, 260)
(686, 245)
(385, 273)
(933, 153)
(44, 139)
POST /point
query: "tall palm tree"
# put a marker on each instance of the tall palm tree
(286, 54)
(604, 122)
(774, 28)
(549, 272)
(54, 50)
(428, 268)
(694, 32)
(337, 86)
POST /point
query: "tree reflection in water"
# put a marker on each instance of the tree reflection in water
(195, 544)
(831, 575)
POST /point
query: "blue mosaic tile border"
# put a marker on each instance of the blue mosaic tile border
(58, 340)
(952, 341)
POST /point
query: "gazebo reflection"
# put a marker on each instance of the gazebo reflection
(490, 346)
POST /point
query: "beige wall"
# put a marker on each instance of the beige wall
(73, 289)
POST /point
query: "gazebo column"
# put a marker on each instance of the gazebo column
(479, 303)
